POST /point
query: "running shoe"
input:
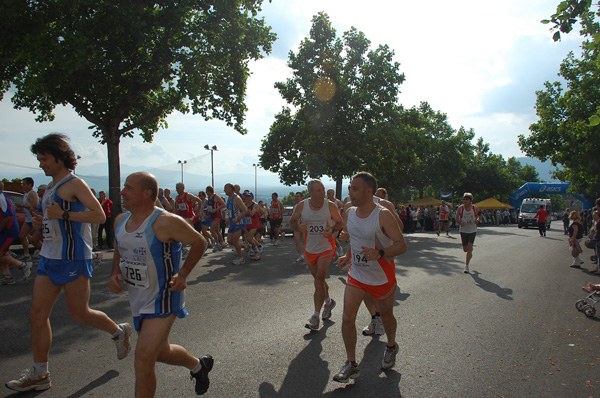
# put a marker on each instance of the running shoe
(26, 269)
(238, 261)
(327, 309)
(313, 323)
(260, 249)
(375, 327)
(30, 381)
(216, 248)
(379, 329)
(276, 242)
(7, 280)
(348, 371)
(300, 258)
(201, 377)
(256, 257)
(389, 357)
(122, 341)
(36, 253)
(466, 270)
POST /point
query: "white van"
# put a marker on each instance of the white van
(529, 207)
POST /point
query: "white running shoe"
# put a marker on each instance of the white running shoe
(466, 270)
(26, 269)
(327, 309)
(300, 258)
(30, 381)
(36, 253)
(122, 341)
(375, 327)
(348, 371)
(313, 323)
(389, 357)
(238, 261)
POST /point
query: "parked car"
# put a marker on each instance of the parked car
(285, 224)
(16, 197)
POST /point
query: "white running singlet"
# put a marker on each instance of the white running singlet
(317, 221)
(367, 232)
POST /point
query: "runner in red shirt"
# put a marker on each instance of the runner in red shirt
(542, 216)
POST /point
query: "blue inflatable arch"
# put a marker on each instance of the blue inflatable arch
(530, 188)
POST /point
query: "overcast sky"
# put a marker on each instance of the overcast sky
(478, 61)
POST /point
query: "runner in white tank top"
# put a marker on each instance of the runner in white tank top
(375, 239)
(148, 258)
(320, 220)
(467, 216)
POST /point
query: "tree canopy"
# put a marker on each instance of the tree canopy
(340, 97)
(563, 133)
(125, 66)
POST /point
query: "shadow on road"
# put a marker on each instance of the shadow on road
(105, 378)
(308, 375)
(502, 292)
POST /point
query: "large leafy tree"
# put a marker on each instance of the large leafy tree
(563, 133)
(342, 101)
(439, 153)
(126, 65)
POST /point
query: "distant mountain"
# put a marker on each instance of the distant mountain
(544, 169)
(96, 177)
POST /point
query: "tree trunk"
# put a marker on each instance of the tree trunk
(114, 171)
(338, 188)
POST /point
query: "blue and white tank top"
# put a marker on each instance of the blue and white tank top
(234, 211)
(65, 240)
(148, 265)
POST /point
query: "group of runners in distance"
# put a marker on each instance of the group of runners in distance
(149, 244)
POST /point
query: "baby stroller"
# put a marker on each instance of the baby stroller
(588, 304)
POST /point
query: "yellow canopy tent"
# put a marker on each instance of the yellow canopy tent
(424, 202)
(493, 203)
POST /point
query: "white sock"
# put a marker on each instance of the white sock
(198, 367)
(41, 368)
(118, 332)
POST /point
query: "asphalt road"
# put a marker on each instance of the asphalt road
(509, 329)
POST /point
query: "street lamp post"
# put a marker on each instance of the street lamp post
(212, 167)
(255, 180)
(182, 163)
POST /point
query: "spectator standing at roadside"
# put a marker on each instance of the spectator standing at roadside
(506, 216)
(565, 220)
(596, 237)
(575, 234)
(107, 226)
